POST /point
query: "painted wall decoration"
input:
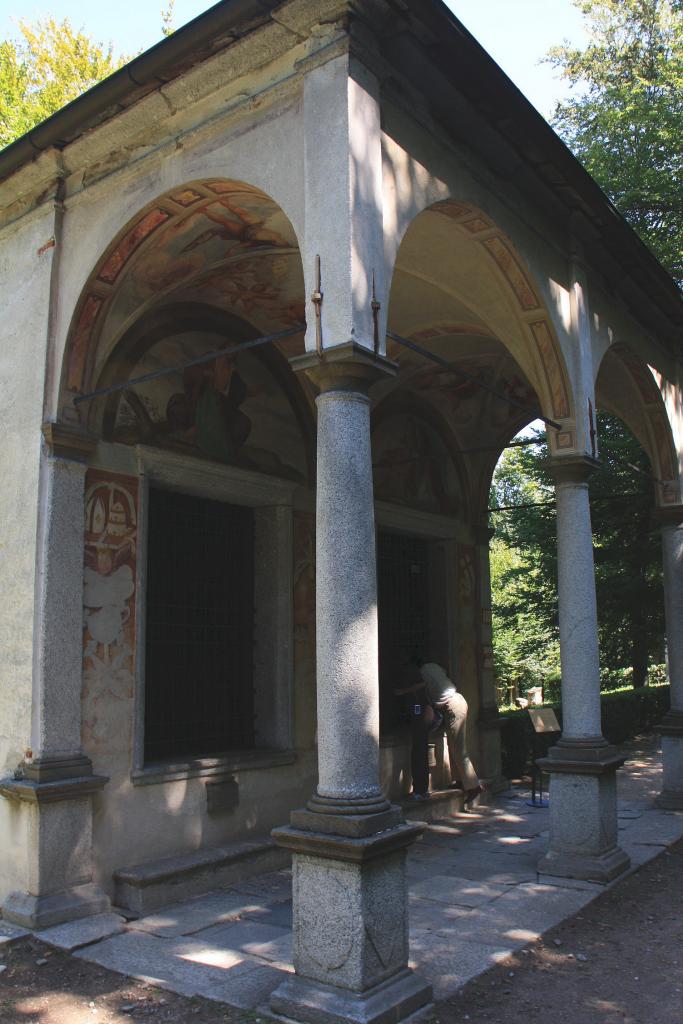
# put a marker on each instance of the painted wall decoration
(111, 530)
(232, 410)
(412, 466)
(551, 367)
(225, 242)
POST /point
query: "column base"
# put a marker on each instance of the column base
(57, 816)
(671, 797)
(602, 868)
(401, 997)
(39, 912)
(350, 936)
(583, 813)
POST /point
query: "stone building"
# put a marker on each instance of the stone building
(338, 177)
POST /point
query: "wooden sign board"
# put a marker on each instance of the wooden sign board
(544, 720)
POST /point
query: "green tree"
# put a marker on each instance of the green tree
(625, 122)
(50, 65)
(627, 563)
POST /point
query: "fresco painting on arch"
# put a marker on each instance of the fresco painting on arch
(229, 552)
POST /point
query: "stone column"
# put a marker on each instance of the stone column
(672, 726)
(349, 844)
(489, 720)
(53, 787)
(583, 808)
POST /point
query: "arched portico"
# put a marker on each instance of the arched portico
(256, 160)
(628, 387)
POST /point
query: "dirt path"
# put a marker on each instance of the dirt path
(619, 961)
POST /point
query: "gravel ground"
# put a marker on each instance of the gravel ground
(619, 961)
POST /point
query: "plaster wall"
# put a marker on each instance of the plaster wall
(133, 824)
(25, 277)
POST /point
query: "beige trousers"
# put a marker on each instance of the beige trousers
(454, 711)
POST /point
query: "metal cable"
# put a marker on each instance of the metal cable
(207, 358)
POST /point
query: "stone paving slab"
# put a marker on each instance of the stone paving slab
(198, 913)
(276, 885)
(571, 883)
(190, 967)
(10, 933)
(450, 966)
(75, 934)
(496, 869)
(251, 937)
(655, 828)
(475, 897)
(460, 891)
(426, 915)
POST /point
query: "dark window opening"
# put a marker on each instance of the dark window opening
(403, 615)
(199, 694)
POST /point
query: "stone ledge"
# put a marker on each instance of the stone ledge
(52, 792)
(211, 766)
(146, 887)
(442, 803)
(346, 848)
(68, 441)
(575, 766)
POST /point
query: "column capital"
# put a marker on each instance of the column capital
(668, 517)
(572, 469)
(348, 367)
(66, 441)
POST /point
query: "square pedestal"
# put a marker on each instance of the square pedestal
(57, 819)
(583, 822)
(350, 931)
(392, 1001)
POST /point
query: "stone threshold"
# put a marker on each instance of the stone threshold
(442, 803)
(142, 888)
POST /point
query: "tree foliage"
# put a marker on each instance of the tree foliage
(625, 123)
(627, 563)
(50, 65)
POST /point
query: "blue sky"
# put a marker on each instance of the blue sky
(516, 33)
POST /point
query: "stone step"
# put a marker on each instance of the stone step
(146, 887)
(442, 803)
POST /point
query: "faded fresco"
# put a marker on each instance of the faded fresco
(460, 393)
(111, 524)
(230, 410)
(220, 242)
(411, 466)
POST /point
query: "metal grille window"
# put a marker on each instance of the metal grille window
(199, 694)
(403, 614)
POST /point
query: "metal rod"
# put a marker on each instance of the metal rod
(317, 300)
(497, 448)
(542, 504)
(469, 376)
(207, 358)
